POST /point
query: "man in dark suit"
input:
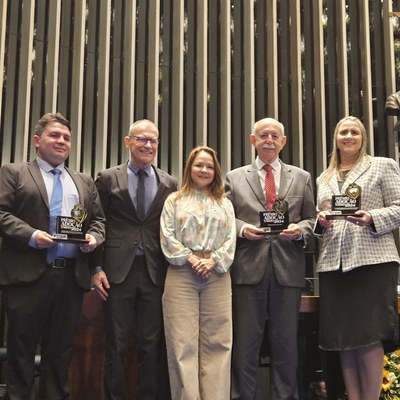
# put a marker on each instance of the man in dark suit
(134, 267)
(43, 280)
(268, 272)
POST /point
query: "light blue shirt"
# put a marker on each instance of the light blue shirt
(70, 199)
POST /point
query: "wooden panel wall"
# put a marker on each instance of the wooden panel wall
(204, 71)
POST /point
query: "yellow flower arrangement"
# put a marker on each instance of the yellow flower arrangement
(391, 377)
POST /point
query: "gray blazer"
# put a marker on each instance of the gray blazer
(124, 230)
(24, 208)
(244, 190)
(351, 245)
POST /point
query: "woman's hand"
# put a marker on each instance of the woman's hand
(203, 267)
(324, 222)
(361, 218)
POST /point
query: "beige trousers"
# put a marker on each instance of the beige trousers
(198, 331)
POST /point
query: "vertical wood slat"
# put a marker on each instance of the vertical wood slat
(200, 103)
(190, 62)
(53, 52)
(165, 149)
(115, 131)
(343, 79)
(272, 59)
(66, 52)
(393, 144)
(9, 116)
(330, 35)
(39, 65)
(366, 74)
(3, 20)
(308, 87)
(176, 115)
(284, 59)
(103, 86)
(128, 96)
(226, 144)
(260, 56)
(25, 80)
(91, 121)
(319, 79)
(213, 112)
(378, 53)
(355, 81)
(296, 94)
(90, 90)
(77, 82)
(153, 63)
(248, 70)
(141, 78)
(237, 87)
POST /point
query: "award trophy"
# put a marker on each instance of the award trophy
(347, 204)
(277, 220)
(72, 229)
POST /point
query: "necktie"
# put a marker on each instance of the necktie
(140, 195)
(270, 190)
(55, 210)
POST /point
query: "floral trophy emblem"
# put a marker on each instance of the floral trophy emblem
(79, 213)
(353, 191)
(280, 206)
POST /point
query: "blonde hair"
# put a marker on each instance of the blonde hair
(216, 188)
(335, 160)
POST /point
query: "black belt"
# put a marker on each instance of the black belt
(62, 262)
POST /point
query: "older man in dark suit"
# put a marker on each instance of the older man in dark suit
(44, 280)
(134, 268)
(269, 269)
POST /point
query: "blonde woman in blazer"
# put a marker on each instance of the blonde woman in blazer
(358, 260)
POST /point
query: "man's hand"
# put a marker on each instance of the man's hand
(292, 232)
(253, 233)
(90, 246)
(44, 240)
(100, 284)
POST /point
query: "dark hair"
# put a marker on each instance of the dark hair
(216, 188)
(47, 119)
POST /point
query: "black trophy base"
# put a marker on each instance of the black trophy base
(70, 240)
(269, 231)
(339, 216)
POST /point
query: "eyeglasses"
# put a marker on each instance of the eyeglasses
(143, 140)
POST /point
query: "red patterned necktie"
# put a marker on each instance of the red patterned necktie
(270, 190)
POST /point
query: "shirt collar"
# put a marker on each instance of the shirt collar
(135, 169)
(46, 167)
(276, 165)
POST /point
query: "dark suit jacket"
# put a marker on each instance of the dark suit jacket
(244, 190)
(24, 208)
(124, 230)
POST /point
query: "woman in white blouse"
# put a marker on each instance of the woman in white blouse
(198, 238)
